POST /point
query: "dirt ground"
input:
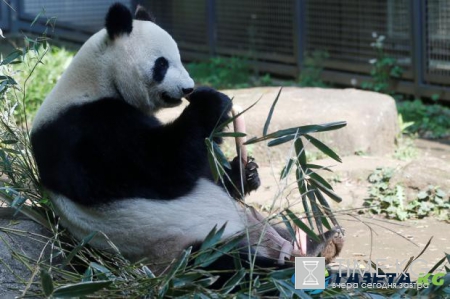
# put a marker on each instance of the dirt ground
(367, 237)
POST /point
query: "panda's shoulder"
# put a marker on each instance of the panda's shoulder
(102, 110)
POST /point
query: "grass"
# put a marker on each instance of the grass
(48, 65)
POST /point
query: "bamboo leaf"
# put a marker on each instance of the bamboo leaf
(180, 265)
(229, 134)
(213, 237)
(9, 141)
(281, 140)
(220, 156)
(102, 270)
(437, 265)
(269, 117)
(307, 209)
(47, 283)
(210, 256)
(301, 225)
(286, 169)
(300, 182)
(325, 190)
(326, 208)
(323, 148)
(231, 119)
(318, 215)
(300, 131)
(314, 166)
(186, 279)
(288, 226)
(233, 281)
(88, 275)
(36, 18)
(300, 151)
(18, 202)
(325, 222)
(11, 57)
(148, 272)
(83, 242)
(3, 86)
(303, 192)
(316, 177)
(80, 289)
(215, 171)
(218, 252)
(207, 281)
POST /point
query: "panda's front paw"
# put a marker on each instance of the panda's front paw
(246, 177)
(251, 175)
(212, 106)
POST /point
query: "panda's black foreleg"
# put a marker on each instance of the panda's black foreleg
(240, 179)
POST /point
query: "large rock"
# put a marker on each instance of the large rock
(21, 236)
(372, 117)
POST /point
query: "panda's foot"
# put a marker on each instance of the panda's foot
(251, 175)
(286, 252)
(334, 246)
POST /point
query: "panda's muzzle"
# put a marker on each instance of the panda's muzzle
(170, 100)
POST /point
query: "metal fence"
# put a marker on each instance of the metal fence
(276, 35)
(75, 20)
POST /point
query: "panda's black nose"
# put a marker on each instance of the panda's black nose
(187, 91)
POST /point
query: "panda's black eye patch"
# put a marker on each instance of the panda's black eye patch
(160, 69)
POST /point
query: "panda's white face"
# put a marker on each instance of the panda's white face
(147, 64)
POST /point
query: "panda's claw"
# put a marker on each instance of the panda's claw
(251, 175)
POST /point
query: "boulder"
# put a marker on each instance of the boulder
(22, 236)
(372, 117)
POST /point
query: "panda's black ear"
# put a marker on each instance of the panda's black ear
(119, 20)
(143, 15)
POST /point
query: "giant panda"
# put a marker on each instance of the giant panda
(111, 166)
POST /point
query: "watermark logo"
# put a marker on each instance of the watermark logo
(309, 273)
(312, 276)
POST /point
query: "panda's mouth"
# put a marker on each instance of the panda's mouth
(170, 100)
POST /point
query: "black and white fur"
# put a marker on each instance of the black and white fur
(111, 166)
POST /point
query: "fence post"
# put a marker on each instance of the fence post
(299, 32)
(211, 23)
(14, 11)
(418, 43)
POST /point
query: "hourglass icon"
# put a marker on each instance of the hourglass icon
(310, 279)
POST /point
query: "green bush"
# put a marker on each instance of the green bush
(385, 69)
(44, 74)
(221, 72)
(311, 74)
(430, 121)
